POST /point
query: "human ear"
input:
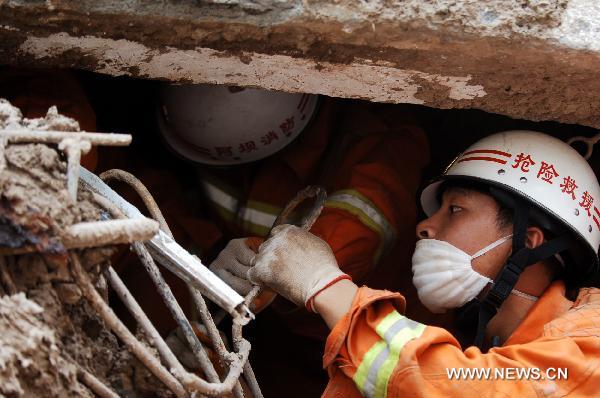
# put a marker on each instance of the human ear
(535, 237)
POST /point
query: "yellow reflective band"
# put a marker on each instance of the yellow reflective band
(361, 376)
(387, 322)
(374, 372)
(385, 371)
(361, 207)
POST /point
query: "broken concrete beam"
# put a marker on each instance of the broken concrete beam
(536, 59)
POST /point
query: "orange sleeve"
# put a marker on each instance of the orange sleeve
(387, 354)
(373, 192)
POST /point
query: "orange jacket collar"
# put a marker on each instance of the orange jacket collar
(550, 305)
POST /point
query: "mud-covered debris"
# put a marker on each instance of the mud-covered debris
(30, 362)
(34, 205)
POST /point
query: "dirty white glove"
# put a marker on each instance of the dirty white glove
(232, 265)
(296, 264)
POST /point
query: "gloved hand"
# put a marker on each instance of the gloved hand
(296, 264)
(232, 265)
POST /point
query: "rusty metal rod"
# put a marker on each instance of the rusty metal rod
(178, 260)
(142, 191)
(251, 381)
(55, 137)
(238, 339)
(109, 232)
(94, 384)
(225, 357)
(214, 336)
(97, 233)
(176, 312)
(142, 319)
(216, 340)
(194, 383)
(142, 353)
(73, 148)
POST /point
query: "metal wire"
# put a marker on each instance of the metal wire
(225, 358)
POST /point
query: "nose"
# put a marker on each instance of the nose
(425, 229)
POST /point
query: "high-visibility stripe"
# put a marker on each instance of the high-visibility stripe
(251, 217)
(358, 205)
(375, 370)
(220, 197)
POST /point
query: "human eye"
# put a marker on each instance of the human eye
(454, 209)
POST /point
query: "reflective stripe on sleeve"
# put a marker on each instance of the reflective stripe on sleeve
(376, 368)
(358, 205)
(252, 217)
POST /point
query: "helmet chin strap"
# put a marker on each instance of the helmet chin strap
(521, 258)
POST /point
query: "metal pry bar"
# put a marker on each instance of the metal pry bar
(175, 258)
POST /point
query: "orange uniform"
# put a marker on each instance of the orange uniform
(371, 170)
(375, 351)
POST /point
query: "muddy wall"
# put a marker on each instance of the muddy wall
(531, 59)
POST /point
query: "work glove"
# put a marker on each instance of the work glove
(296, 264)
(233, 263)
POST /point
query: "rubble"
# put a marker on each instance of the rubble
(56, 241)
(52, 343)
(30, 361)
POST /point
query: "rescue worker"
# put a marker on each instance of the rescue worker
(256, 149)
(512, 228)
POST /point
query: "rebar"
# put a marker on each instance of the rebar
(237, 363)
(176, 312)
(214, 336)
(142, 191)
(99, 388)
(311, 191)
(109, 232)
(72, 143)
(73, 148)
(97, 233)
(195, 383)
(178, 260)
(55, 137)
(142, 319)
(238, 339)
(142, 353)
(190, 381)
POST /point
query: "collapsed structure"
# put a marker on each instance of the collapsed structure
(59, 335)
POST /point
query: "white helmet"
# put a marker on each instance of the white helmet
(220, 125)
(543, 170)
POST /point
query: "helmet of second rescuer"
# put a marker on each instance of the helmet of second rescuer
(224, 126)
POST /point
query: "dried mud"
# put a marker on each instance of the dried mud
(47, 330)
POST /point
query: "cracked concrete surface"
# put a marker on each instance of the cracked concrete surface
(532, 59)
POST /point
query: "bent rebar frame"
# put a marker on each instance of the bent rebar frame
(137, 232)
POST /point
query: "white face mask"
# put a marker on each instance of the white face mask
(443, 275)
